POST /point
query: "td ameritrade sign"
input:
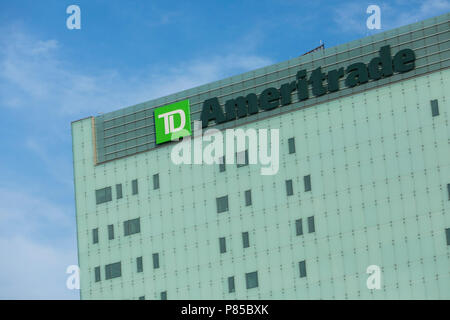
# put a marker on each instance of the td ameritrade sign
(173, 121)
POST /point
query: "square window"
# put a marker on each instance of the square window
(251, 279)
(113, 270)
(222, 204)
(289, 188)
(103, 195)
(242, 158)
(132, 226)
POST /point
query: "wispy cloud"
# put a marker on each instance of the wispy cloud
(42, 86)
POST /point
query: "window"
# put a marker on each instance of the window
(110, 232)
(142, 298)
(448, 191)
(447, 234)
(164, 295)
(289, 189)
(311, 226)
(97, 274)
(134, 186)
(302, 268)
(291, 144)
(113, 270)
(231, 287)
(156, 181)
(307, 181)
(222, 204)
(242, 158)
(251, 279)
(298, 227)
(248, 198)
(222, 245)
(103, 195)
(434, 108)
(155, 260)
(139, 264)
(132, 226)
(119, 191)
(95, 235)
(245, 240)
(222, 164)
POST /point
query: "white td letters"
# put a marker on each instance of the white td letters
(169, 126)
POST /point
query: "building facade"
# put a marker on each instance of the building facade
(363, 183)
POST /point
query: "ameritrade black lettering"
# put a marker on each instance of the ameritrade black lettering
(382, 66)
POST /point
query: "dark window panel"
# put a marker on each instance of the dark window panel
(155, 260)
(434, 108)
(134, 186)
(245, 240)
(113, 270)
(132, 226)
(222, 166)
(222, 204)
(231, 287)
(110, 232)
(139, 265)
(307, 181)
(142, 298)
(448, 191)
(103, 195)
(447, 234)
(95, 235)
(119, 191)
(97, 274)
(164, 295)
(291, 144)
(242, 158)
(222, 245)
(311, 225)
(251, 280)
(156, 181)
(298, 227)
(248, 198)
(289, 188)
(302, 268)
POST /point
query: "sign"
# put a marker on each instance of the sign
(172, 121)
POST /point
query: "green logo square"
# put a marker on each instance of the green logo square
(172, 121)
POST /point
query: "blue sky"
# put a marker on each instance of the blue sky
(126, 52)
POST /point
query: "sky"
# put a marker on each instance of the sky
(125, 53)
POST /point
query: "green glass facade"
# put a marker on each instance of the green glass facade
(364, 180)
